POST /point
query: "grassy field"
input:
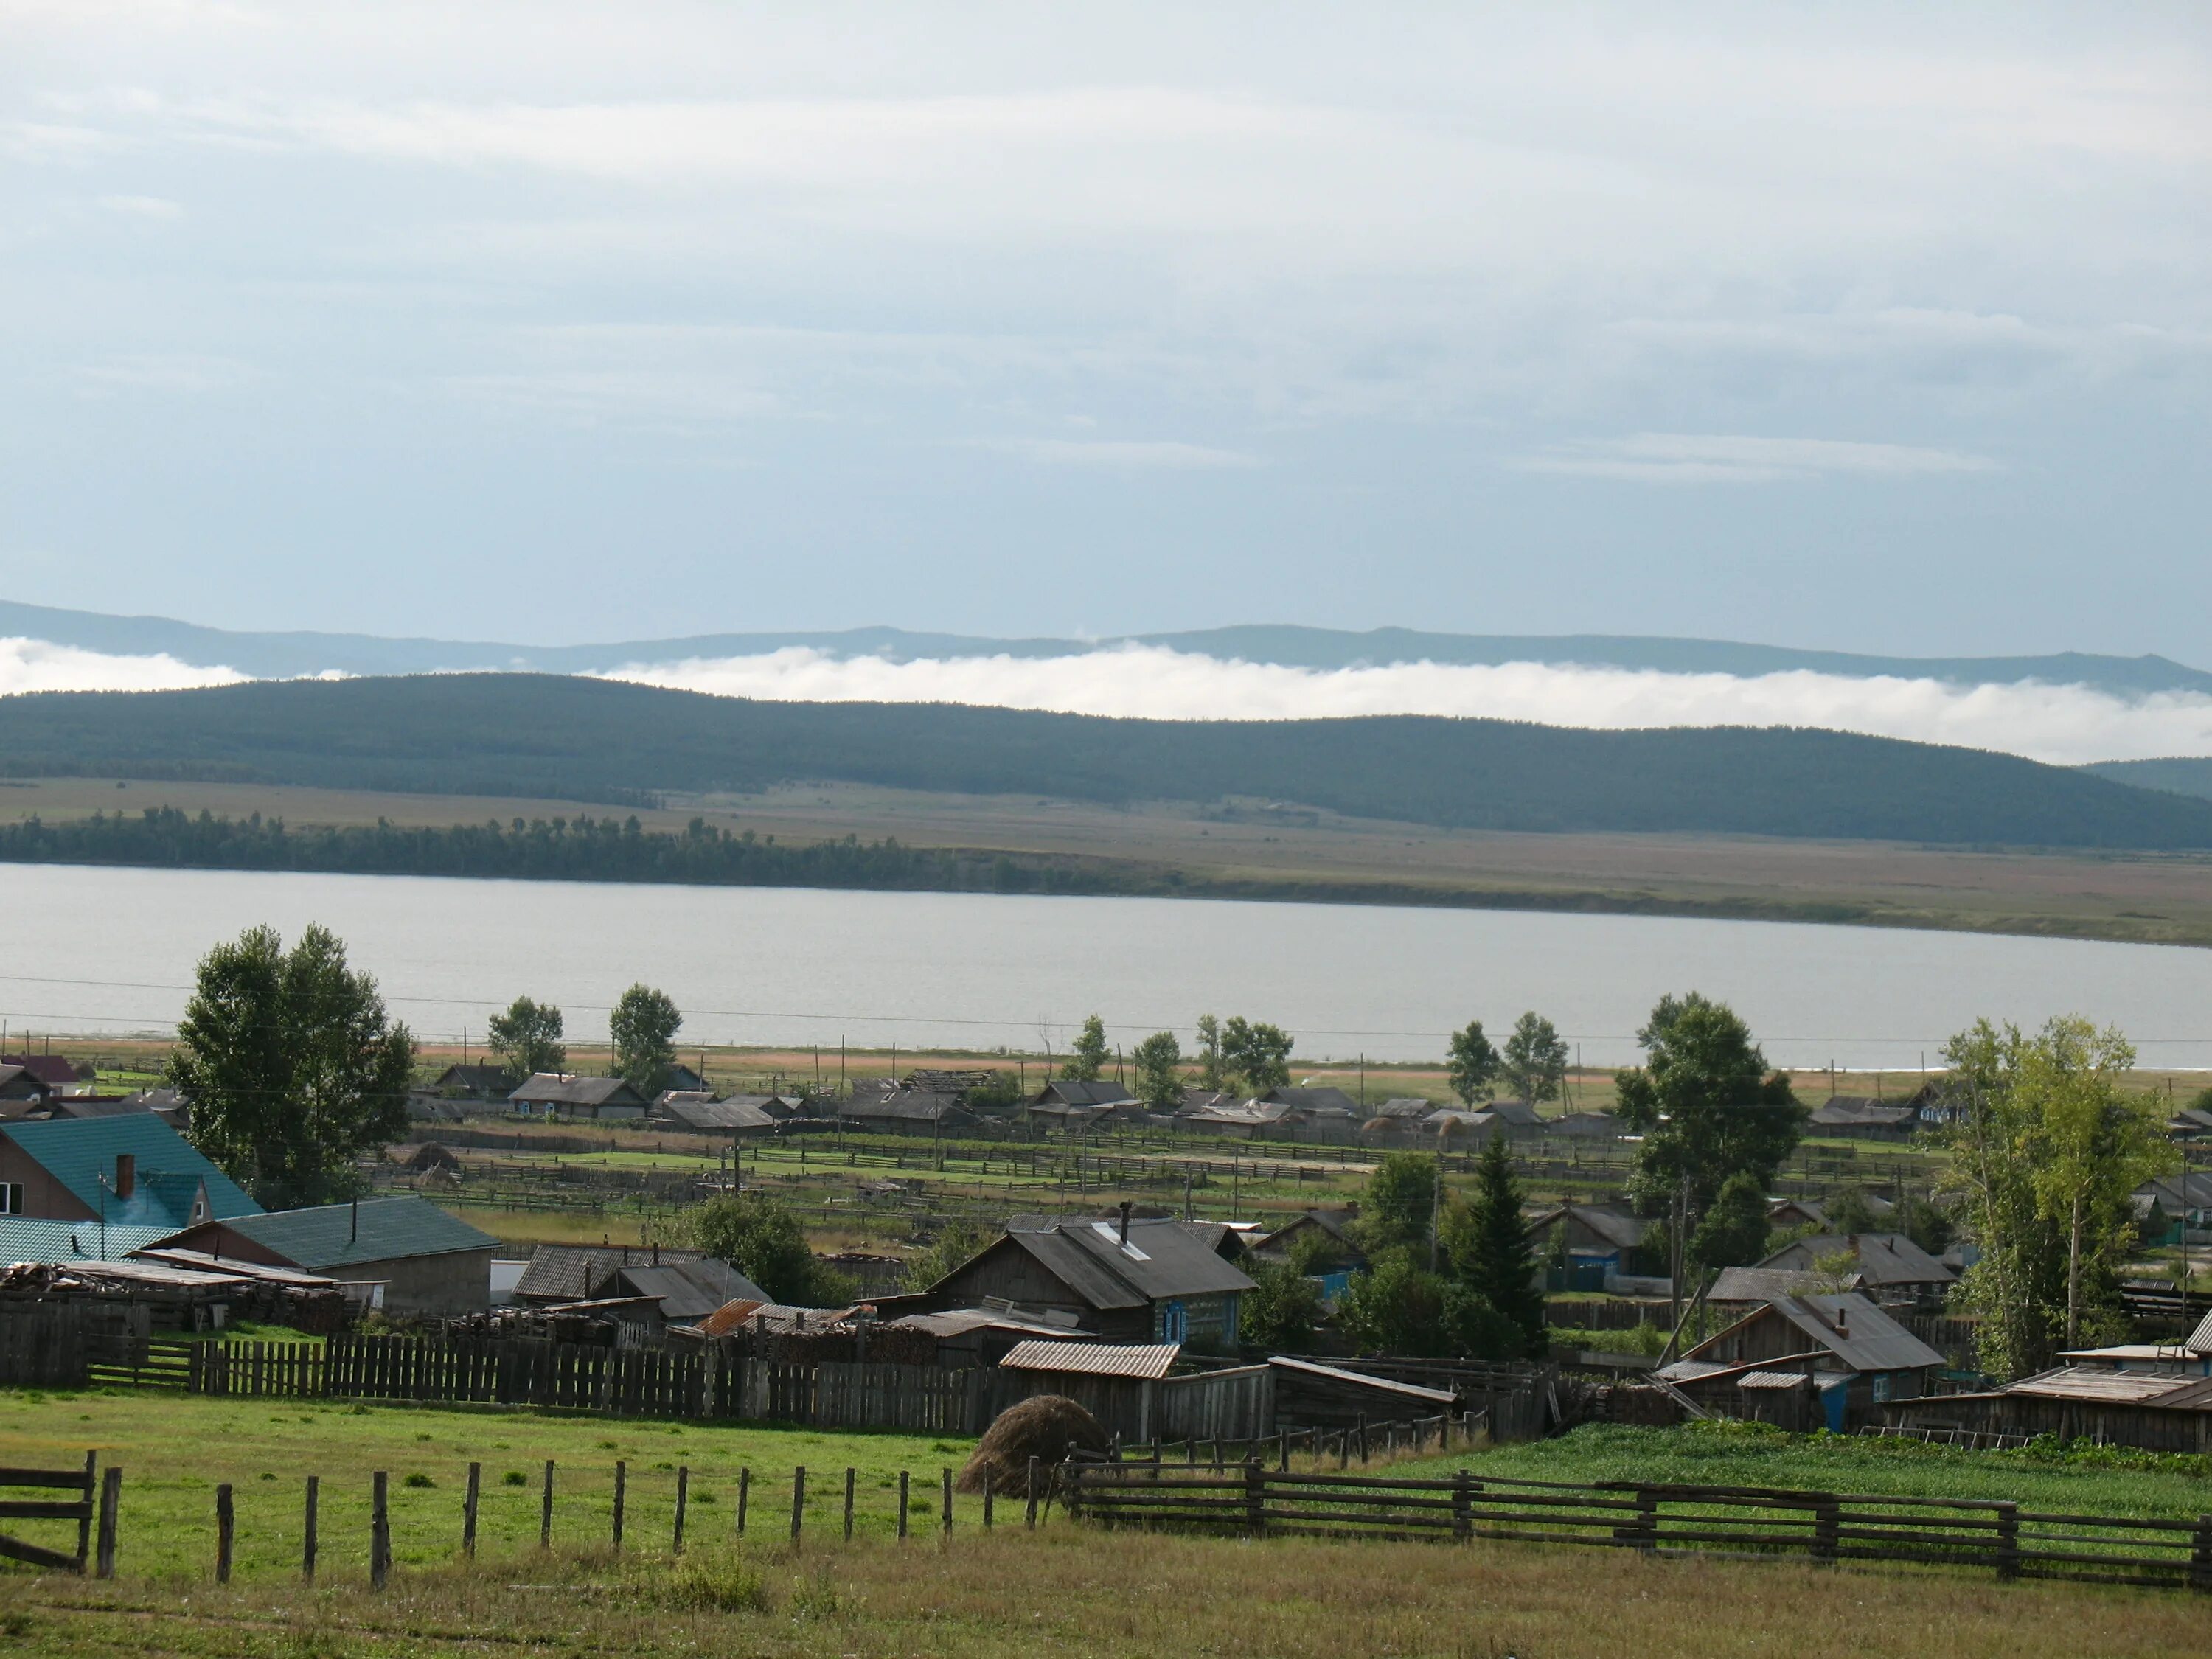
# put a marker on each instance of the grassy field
(1753, 1454)
(1253, 851)
(1062, 1589)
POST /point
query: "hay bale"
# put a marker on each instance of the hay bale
(1045, 1426)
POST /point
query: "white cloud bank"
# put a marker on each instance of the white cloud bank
(1717, 458)
(36, 665)
(2061, 724)
(2064, 724)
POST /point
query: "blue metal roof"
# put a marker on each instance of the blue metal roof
(330, 1236)
(25, 1238)
(79, 1153)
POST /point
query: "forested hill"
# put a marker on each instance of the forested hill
(594, 740)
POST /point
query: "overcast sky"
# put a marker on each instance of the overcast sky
(1865, 329)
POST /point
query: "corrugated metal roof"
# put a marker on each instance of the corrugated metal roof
(2118, 1388)
(550, 1088)
(1880, 1258)
(1763, 1284)
(28, 1238)
(2200, 1339)
(79, 1153)
(1151, 1360)
(571, 1272)
(1871, 1341)
(330, 1236)
(691, 1290)
(1774, 1380)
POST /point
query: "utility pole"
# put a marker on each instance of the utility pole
(1436, 1206)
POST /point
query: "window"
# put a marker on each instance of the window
(11, 1198)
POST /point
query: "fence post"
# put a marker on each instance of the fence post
(2200, 1556)
(1256, 1497)
(84, 1521)
(111, 1499)
(1828, 1527)
(848, 1503)
(682, 1496)
(307, 1539)
(1362, 1440)
(903, 1494)
(225, 1521)
(2007, 1540)
(469, 1512)
(1462, 1507)
(745, 1495)
(1030, 1521)
(1282, 1451)
(798, 1502)
(379, 1530)
(947, 1484)
(545, 1510)
(989, 1486)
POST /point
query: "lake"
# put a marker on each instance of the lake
(111, 949)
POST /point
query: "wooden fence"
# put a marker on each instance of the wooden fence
(1822, 1527)
(79, 1508)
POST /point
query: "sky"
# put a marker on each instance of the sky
(1885, 329)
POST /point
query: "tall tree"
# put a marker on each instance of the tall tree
(1087, 1062)
(1733, 1232)
(644, 1024)
(1492, 1252)
(763, 1241)
(1255, 1054)
(1707, 1107)
(1398, 1205)
(2045, 1151)
(527, 1039)
(291, 1066)
(1280, 1310)
(1210, 1074)
(1535, 1063)
(1158, 1060)
(1473, 1064)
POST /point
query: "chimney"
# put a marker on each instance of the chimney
(127, 1174)
(1843, 1324)
(1125, 1221)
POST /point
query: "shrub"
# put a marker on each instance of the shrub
(713, 1586)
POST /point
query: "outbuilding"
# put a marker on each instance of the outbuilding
(427, 1262)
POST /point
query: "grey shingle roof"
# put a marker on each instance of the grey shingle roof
(576, 1273)
(547, 1088)
(1070, 1091)
(1872, 1340)
(1880, 1258)
(1161, 1258)
(691, 1290)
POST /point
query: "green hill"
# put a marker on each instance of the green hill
(582, 739)
(2182, 775)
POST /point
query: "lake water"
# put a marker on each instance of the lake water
(102, 950)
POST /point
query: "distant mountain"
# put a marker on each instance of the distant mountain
(594, 740)
(2180, 776)
(288, 655)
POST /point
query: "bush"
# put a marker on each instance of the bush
(712, 1586)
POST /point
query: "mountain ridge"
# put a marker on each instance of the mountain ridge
(305, 653)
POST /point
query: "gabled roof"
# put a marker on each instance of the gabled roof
(1765, 1284)
(691, 1290)
(575, 1272)
(1072, 1091)
(80, 1153)
(1880, 1258)
(1163, 1259)
(1323, 1099)
(1870, 1341)
(1403, 1106)
(28, 1082)
(52, 1070)
(1150, 1361)
(694, 1111)
(2146, 1388)
(1615, 1227)
(342, 1235)
(1518, 1113)
(552, 1088)
(486, 1080)
(906, 1105)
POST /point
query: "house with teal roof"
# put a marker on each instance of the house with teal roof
(131, 1170)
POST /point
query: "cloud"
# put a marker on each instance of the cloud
(36, 665)
(2062, 724)
(179, 372)
(143, 207)
(1121, 453)
(1692, 458)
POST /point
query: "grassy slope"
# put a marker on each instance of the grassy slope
(1062, 1589)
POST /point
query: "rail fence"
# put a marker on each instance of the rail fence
(1821, 1527)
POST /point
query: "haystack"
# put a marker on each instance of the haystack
(1045, 1426)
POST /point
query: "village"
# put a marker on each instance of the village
(1171, 1306)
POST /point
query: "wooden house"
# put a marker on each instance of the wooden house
(595, 1099)
(900, 1110)
(1598, 1242)
(1128, 1280)
(131, 1170)
(414, 1257)
(1860, 1358)
(2149, 1410)
(1863, 1117)
(1890, 1266)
